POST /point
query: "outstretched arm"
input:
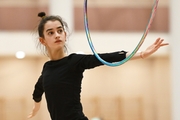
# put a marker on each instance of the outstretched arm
(35, 109)
(150, 50)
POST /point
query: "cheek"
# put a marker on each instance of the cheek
(47, 41)
(65, 37)
(50, 43)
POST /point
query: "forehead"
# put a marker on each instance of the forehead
(52, 24)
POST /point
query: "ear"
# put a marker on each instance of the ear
(41, 40)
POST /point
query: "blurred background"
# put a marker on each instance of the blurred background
(137, 90)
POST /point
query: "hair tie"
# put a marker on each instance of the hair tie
(42, 15)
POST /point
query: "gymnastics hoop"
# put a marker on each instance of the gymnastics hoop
(154, 9)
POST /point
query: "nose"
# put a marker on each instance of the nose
(57, 35)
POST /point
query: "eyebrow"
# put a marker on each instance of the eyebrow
(52, 28)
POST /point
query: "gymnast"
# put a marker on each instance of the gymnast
(61, 76)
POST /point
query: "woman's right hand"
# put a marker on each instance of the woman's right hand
(35, 109)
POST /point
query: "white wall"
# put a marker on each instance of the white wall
(11, 42)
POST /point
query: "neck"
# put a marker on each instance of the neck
(56, 55)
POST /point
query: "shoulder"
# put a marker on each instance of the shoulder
(77, 56)
(72, 55)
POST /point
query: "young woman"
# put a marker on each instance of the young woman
(61, 76)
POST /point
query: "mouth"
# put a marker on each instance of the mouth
(58, 41)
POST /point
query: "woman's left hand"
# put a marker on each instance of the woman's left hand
(153, 48)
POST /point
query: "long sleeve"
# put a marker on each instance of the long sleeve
(90, 61)
(38, 90)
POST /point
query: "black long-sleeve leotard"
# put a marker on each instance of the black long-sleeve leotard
(61, 82)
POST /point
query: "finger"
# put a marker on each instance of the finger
(164, 44)
(161, 45)
(157, 40)
(30, 115)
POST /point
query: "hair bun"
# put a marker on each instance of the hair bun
(41, 14)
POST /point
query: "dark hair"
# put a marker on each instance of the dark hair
(43, 21)
(49, 18)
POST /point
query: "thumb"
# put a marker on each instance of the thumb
(30, 116)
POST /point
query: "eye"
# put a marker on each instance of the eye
(60, 30)
(50, 33)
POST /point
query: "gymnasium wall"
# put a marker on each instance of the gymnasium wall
(137, 90)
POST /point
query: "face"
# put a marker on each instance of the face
(54, 36)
